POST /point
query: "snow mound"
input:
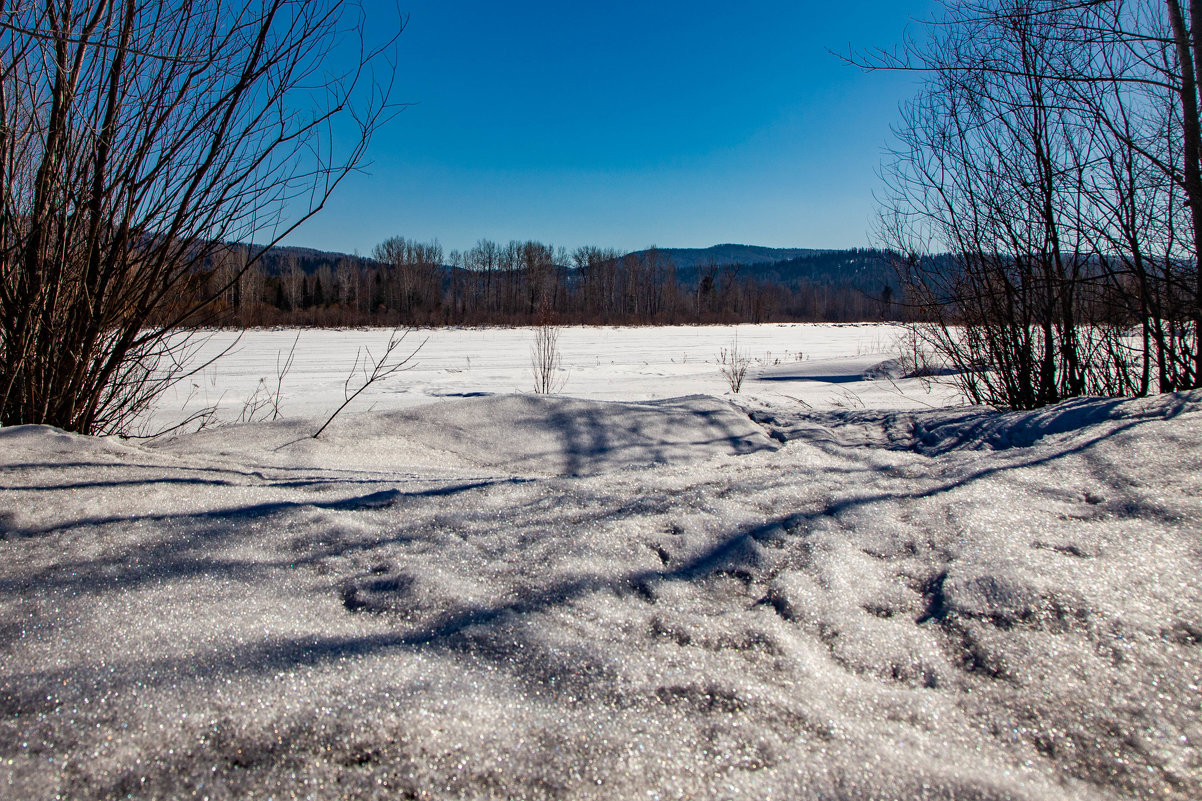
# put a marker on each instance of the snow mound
(900, 368)
(40, 443)
(509, 434)
(566, 436)
(975, 429)
(827, 371)
(972, 428)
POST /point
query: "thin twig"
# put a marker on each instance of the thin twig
(381, 369)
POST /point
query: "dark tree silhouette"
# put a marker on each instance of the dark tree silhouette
(136, 138)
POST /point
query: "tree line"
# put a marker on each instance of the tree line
(409, 283)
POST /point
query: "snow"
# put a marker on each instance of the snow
(787, 593)
(811, 363)
(519, 434)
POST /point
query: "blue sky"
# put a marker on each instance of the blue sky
(679, 124)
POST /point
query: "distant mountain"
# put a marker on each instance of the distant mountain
(308, 260)
(860, 267)
(722, 255)
(863, 268)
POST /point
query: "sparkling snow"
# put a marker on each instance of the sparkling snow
(647, 587)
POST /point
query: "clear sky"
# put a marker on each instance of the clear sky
(627, 124)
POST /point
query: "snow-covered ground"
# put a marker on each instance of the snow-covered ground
(822, 365)
(640, 589)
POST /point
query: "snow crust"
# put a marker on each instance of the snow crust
(507, 596)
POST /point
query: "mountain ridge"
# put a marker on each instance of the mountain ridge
(728, 253)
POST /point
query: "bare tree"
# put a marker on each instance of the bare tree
(1047, 158)
(414, 277)
(136, 139)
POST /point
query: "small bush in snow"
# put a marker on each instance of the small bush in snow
(734, 364)
(545, 359)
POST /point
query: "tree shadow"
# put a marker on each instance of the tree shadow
(192, 545)
(591, 443)
(195, 553)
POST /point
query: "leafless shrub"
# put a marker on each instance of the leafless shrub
(546, 360)
(367, 370)
(1054, 159)
(137, 139)
(916, 356)
(264, 402)
(847, 400)
(733, 365)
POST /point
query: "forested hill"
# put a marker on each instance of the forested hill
(412, 283)
(278, 259)
(725, 255)
(863, 268)
(772, 264)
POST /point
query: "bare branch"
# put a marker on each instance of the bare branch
(381, 369)
(137, 139)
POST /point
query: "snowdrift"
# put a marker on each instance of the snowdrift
(508, 434)
(505, 597)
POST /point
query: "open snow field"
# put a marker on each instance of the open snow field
(820, 364)
(638, 589)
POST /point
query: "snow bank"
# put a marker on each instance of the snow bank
(937, 605)
(508, 434)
